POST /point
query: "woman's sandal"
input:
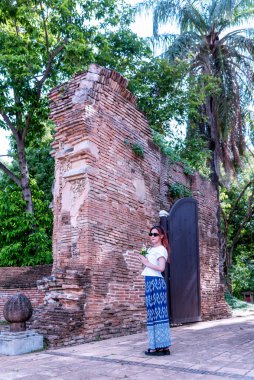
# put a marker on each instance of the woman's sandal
(151, 352)
(163, 351)
(157, 352)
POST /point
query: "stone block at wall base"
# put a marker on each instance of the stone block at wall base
(20, 342)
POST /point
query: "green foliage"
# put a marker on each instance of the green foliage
(25, 238)
(4, 323)
(188, 170)
(137, 149)
(178, 190)
(171, 99)
(194, 151)
(235, 303)
(243, 271)
(42, 44)
(123, 51)
(160, 94)
(207, 42)
(40, 163)
(237, 209)
(166, 145)
(43, 47)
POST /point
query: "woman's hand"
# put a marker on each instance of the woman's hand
(146, 262)
(143, 259)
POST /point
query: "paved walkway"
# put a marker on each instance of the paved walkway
(222, 349)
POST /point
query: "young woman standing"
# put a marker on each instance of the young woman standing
(156, 293)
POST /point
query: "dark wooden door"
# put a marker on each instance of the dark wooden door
(183, 273)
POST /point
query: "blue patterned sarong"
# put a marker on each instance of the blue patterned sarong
(157, 313)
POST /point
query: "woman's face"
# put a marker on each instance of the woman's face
(155, 236)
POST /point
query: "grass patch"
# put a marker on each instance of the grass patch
(235, 303)
(4, 323)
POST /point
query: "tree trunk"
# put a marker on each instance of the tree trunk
(214, 140)
(25, 186)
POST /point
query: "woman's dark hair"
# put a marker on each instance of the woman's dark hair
(164, 240)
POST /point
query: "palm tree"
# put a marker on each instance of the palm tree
(215, 43)
(213, 50)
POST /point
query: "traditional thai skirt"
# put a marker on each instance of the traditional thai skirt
(157, 312)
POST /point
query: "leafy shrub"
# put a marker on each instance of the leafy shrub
(243, 271)
(137, 148)
(235, 303)
(25, 239)
(177, 190)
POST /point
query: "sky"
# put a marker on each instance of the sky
(3, 142)
(143, 25)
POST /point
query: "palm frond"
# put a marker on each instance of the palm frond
(240, 17)
(221, 9)
(211, 9)
(192, 19)
(249, 32)
(168, 11)
(162, 40)
(227, 100)
(164, 11)
(243, 4)
(242, 64)
(243, 31)
(200, 64)
(228, 60)
(240, 42)
(228, 13)
(183, 46)
(231, 124)
(144, 6)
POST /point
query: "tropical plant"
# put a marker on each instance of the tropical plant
(214, 42)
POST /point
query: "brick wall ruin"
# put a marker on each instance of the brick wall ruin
(22, 280)
(105, 200)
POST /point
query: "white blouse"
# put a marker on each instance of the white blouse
(153, 256)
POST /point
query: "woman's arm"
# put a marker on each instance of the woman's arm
(160, 267)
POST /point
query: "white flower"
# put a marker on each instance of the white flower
(143, 251)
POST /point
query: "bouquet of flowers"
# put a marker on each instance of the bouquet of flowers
(144, 250)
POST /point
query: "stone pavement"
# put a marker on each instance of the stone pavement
(222, 349)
